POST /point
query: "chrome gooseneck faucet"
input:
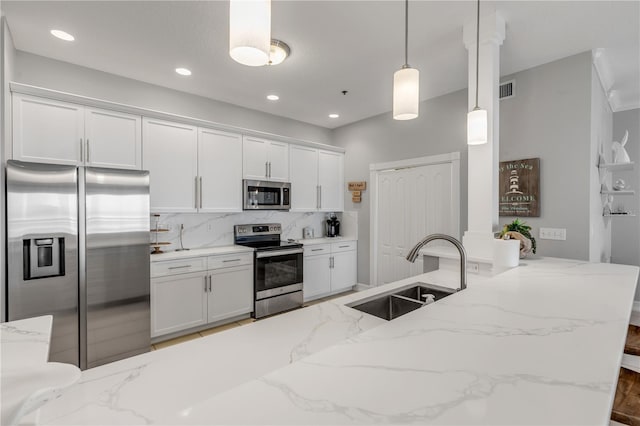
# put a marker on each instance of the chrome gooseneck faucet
(413, 254)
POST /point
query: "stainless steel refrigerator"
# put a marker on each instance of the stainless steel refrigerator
(78, 249)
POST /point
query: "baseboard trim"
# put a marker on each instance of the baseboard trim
(636, 306)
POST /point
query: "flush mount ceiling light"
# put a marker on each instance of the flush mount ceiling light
(477, 118)
(250, 31)
(406, 81)
(183, 71)
(279, 52)
(334, 115)
(273, 97)
(62, 35)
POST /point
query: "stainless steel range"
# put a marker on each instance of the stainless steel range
(277, 268)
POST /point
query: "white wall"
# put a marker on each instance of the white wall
(7, 60)
(550, 118)
(601, 128)
(625, 240)
(439, 129)
(62, 76)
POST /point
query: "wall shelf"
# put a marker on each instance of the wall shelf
(620, 215)
(616, 166)
(614, 192)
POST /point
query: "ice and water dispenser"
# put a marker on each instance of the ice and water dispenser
(43, 257)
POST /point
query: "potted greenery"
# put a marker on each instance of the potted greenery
(519, 230)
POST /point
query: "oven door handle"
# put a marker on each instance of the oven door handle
(273, 253)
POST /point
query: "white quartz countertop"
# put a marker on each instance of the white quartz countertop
(324, 240)
(538, 344)
(24, 343)
(208, 251)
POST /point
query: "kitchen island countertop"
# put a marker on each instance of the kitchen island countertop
(538, 344)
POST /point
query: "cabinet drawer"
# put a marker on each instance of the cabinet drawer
(343, 246)
(229, 260)
(317, 249)
(174, 267)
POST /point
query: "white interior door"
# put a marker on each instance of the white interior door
(411, 203)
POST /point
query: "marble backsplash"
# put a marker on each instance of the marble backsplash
(216, 229)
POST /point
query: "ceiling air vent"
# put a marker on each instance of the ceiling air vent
(507, 89)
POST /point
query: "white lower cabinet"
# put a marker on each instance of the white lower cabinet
(182, 301)
(329, 269)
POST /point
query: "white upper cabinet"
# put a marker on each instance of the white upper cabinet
(263, 159)
(219, 171)
(113, 139)
(171, 156)
(304, 178)
(47, 131)
(331, 181)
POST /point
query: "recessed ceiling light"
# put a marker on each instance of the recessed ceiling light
(273, 97)
(62, 35)
(334, 115)
(183, 71)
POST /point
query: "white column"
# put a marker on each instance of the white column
(483, 159)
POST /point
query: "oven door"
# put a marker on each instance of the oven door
(278, 272)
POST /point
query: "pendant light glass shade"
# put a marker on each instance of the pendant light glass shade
(406, 90)
(250, 31)
(477, 127)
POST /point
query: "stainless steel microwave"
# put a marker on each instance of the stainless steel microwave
(265, 195)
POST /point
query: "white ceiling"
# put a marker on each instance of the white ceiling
(336, 45)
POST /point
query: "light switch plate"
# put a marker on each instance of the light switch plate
(559, 234)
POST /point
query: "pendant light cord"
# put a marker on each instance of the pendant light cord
(477, 52)
(406, 34)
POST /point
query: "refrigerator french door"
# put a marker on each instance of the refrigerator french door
(78, 249)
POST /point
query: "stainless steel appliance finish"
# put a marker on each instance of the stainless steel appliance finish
(278, 273)
(266, 195)
(98, 220)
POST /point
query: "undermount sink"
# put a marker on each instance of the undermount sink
(398, 302)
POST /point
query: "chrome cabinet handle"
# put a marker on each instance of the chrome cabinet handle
(205, 283)
(317, 196)
(343, 246)
(81, 150)
(197, 191)
(269, 169)
(179, 267)
(200, 191)
(317, 249)
(266, 169)
(88, 154)
(320, 192)
(231, 260)
(209, 283)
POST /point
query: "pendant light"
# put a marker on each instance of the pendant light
(250, 31)
(477, 118)
(406, 81)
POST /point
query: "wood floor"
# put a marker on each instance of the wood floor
(626, 405)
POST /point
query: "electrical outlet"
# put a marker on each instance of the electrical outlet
(559, 234)
(473, 267)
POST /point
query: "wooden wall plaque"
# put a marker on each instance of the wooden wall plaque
(357, 186)
(519, 188)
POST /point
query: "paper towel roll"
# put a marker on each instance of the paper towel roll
(506, 253)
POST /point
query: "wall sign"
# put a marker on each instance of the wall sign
(356, 189)
(519, 188)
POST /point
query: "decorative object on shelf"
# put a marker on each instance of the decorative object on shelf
(519, 230)
(406, 81)
(620, 185)
(181, 233)
(608, 206)
(477, 118)
(356, 189)
(157, 245)
(620, 154)
(250, 31)
(519, 187)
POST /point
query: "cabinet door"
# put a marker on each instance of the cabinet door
(113, 139)
(254, 158)
(278, 158)
(47, 131)
(317, 276)
(331, 181)
(220, 171)
(304, 178)
(171, 156)
(344, 271)
(231, 292)
(178, 302)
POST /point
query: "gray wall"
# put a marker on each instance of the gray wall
(550, 118)
(439, 129)
(63, 76)
(625, 239)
